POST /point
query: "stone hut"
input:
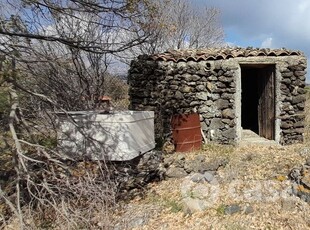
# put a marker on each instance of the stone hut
(231, 88)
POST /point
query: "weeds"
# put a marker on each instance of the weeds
(224, 151)
(220, 210)
(173, 205)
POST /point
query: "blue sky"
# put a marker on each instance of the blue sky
(265, 23)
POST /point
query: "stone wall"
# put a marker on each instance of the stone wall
(213, 89)
(184, 87)
(131, 176)
(293, 101)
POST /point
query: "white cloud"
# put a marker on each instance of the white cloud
(269, 23)
(267, 43)
(285, 21)
(230, 44)
(303, 6)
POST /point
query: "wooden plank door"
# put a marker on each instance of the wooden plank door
(266, 104)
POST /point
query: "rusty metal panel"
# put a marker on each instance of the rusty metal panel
(186, 132)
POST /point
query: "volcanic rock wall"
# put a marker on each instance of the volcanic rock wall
(212, 88)
(293, 101)
(175, 88)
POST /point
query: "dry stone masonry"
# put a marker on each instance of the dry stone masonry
(293, 102)
(208, 81)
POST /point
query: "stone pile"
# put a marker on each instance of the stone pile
(301, 181)
(177, 166)
(131, 176)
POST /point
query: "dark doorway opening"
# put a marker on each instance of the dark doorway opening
(258, 99)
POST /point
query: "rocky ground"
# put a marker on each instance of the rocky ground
(225, 187)
(219, 187)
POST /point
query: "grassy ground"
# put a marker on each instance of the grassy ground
(251, 168)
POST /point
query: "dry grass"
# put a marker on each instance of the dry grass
(307, 122)
(247, 165)
(250, 166)
(161, 206)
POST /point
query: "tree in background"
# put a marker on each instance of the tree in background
(187, 26)
(54, 54)
(93, 26)
(178, 24)
(64, 48)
